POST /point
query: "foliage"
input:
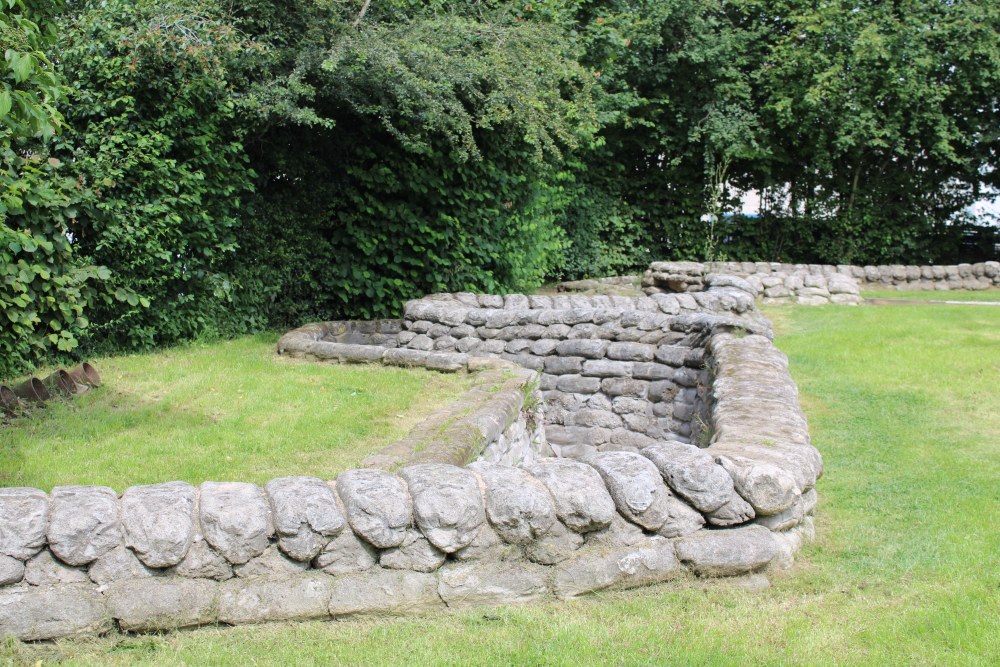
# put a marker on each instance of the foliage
(155, 136)
(44, 288)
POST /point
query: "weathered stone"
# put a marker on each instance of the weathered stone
(487, 546)
(415, 553)
(161, 603)
(636, 487)
(83, 523)
(384, 592)
(11, 570)
(624, 405)
(693, 474)
(768, 488)
(447, 504)
(276, 598)
(306, 515)
(51, 612)
(589, 348)
(791, 516)
(555, 546)
(563, 365)
(604, 368)
(479, 584)
(270, 563)
(24, 516)
(518, 506)
(345, 554)
(377, 505)
(725, 553)
(119, 563)
(630, 351)
(599, 418)
(624, 387)
(578, 384)
(620, 533)
(652, 371)
(598, 569)
(158, 521)
(235, 519)
(582, 501)
(204, 562)
(44, 570)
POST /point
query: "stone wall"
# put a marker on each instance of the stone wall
(817, 284)
(637, 506)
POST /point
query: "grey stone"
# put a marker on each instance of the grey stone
(158, 521)
(11, 570)
(620, 533)
(693, 474)
(563, 365)
(581, 499)
(83, 523)
(487, 546)
(421, 342)
(543, 347)
(161, 603)
(377, 505)
(306, 515)
(555, 546)
(24, 516)
(51, 612)
(624, 387)
(345, 554)
(518, 506)
(204, 562)
(447, 504)
(605, 368)
(384, 592)
(270, 563)
(491, 584)
(652, 371)
(277, 598)
(725, 553)
(119, 563)
(768, 488)
(624, 405)
(662, 390)
(598, 569)
(792, 516)
(599, 418)
(235, 519)
(43, 570)
(589, 348)
(415, 553)
(578, 384)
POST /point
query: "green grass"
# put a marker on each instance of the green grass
(226, 411)
(903, 403)
(934, 295)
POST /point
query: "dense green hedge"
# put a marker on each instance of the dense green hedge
(183, 168)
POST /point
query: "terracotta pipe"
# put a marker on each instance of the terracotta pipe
(8, 399)
(32, 390)
(60, 383)
(85, 374)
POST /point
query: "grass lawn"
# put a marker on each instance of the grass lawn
(227, 411)
(934, 295)
(905, 406)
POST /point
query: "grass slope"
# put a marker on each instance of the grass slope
(229, 411)
(904, 405)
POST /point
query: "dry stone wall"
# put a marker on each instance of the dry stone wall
(625, 502)
(817, 284)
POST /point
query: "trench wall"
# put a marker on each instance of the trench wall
(636, 504)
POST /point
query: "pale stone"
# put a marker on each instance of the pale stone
(159, 521)
(275, 598)
(161, 603)
(235, 519)
(692, 473)
(724, 553)
(518, 506)
(734, 512)
(384, 592)
(119, 563)
(50, 612)
(306, 515)
(377, 505)
(768, 488)
(270, 563)
(11, 570)
(636, 487)
(598, 569)
(555, 546)
(345, 554)
(83, 523)
(581, 499)
(43, 570)
(204, 562)
(479, 584)
(447, 504)
(415, 553)
(24, 516)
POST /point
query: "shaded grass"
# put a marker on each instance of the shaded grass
(224, 411)
(934, 295)
(903, 403)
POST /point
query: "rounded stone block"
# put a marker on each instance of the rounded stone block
(306, 515)
(447, 504)
(726, 553)
(50, 612)
(24, 516)
(597, 569)
(581, 499)
(384, 592)
(377, 504)
(277, 598)
(692, 473)
(491, 584)
(519, 507)
(83, 523)
(162, 603)
(235, 519)
(159, 521)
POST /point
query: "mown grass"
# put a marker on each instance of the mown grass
(227, 411)
(903, 403)
(934, 295)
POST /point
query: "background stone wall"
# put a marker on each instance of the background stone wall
(817, 284)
